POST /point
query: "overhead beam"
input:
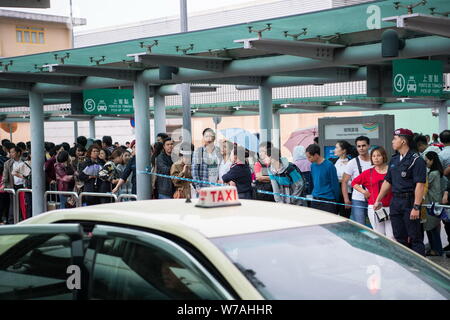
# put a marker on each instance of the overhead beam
(365, 54)
(250, 81)
(313, 50)
(213, 64)
(360, 55)
(16, 85)
(423, 23)
(41, 77)
(332, 72)
(96, 71)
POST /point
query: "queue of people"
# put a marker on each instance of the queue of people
(359, 183)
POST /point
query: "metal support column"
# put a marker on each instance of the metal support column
(160, 113)
(92, 128)
(276, 133)
(185, 88)
(443, 117)
(37, 151)
(186, 102)
(142, 131)
(183, 16)
(75, 131)
(265, 113)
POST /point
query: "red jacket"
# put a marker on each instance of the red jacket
(49, 168)
(372, 181)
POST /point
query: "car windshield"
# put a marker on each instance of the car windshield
(333, 261)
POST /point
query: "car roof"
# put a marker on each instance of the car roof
(174, 215)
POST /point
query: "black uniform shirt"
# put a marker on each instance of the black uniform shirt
(403, 175)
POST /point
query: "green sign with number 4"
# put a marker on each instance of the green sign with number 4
(417, 78)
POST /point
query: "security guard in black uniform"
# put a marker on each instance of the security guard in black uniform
(406, 176)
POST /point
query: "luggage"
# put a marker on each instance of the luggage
(52, 199)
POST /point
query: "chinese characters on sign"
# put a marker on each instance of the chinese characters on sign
(108, 101)
(414, 77)
(351, 131)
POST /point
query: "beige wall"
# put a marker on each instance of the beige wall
(288, 124)
(57, 37)
(22, 133)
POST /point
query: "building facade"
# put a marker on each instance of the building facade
(23, 33)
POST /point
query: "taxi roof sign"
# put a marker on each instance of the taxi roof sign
(218, 197)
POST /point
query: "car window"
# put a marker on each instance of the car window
(35, 266)
(144, 268)
(333, 261)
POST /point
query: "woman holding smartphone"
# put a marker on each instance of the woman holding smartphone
(371, 180)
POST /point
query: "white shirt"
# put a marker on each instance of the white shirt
(340, 165)
(431, 148)
(444, 156)
(353, 172)
(224, 167)
(16, 168)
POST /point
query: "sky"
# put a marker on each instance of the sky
(105, 13)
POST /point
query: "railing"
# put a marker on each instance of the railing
(63, 193)
(78, 197)
(97, 194)
(126, 196)
(15, 203)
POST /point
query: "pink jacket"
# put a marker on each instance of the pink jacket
(64, 177)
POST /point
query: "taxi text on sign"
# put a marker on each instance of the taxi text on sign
(108, 101)
(218, 197)
(414, 77)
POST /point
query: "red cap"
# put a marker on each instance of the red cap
(132, 144)
(403, 132)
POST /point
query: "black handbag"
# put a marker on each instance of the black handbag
(263, 186)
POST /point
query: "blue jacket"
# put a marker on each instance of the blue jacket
(325, 180)
(287, 180)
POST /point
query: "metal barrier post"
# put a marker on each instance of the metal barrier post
(126, 196)
(64, 193)
(15, 204)
(97, 194)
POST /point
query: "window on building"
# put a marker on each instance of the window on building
(30, 34)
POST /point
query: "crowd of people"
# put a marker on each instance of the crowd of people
(359, 182)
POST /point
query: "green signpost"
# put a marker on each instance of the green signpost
(414, 77)
(108, 101)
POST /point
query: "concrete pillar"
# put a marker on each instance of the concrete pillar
(443, 117)
(75, 131)
(142, 132)
(265, 113)
(92, 128)
(276, 133)
(160, 113)
(37, 151)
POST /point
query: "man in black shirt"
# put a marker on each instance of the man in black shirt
(406, 177)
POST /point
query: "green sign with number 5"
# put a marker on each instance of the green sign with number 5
(108, 101)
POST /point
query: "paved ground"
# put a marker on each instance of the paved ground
(442, 261)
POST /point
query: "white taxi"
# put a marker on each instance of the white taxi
(215, 247)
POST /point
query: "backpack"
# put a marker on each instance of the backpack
(27, 183)
(286, 174)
